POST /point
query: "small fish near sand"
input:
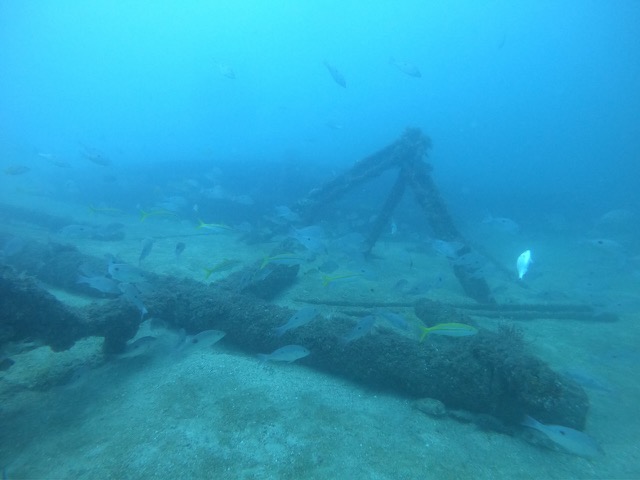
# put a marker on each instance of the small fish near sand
(570, 440)
(202, 340)
(101, 283)
(363, 327)
(523, 263)
(222, 266)
(301, 317)
(138, 347)
(449, 330)
(335, 74)
(288, 353)
(123, 272)
(131, 293)
(147, 245)
(180, 246)
(214, 227)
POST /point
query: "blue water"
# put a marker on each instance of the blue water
(524, 99)
(224, 110)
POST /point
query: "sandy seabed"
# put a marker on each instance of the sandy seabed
(220, 413)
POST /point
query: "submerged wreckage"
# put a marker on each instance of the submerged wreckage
(490, 373)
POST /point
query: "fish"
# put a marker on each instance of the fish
(204, 339)
(147, 245)
(6, 363)
(16, 170)
(101, 283)
(333, 125)
(570, 440)
(301, 317)
(311, 237)
(340, 278)
(395, 319)
(447, 249)
(180, 246)
(523, 262)
(288, 353)
(108, 211)
(364, 326)
(503, 224)
(12, 247)
(604, 243)
(335, 74)
(283, 259)
(96, 158)
(76, 231)
(226, 71)
(131, 293)
(216, 227)
(138, 347)
(222, 266)
(123, 272)
(448, 330)
(285, 213)
(157, 213)
(406, 67)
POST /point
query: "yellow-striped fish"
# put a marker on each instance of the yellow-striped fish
(341, 278)
(216, 227)
(449, 330)
(222, 266)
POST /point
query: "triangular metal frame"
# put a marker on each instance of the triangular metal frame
(407, 155)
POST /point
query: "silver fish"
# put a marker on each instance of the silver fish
(77, 231)
(573, 441)
(395, 319)
(301, 317)
(406, 68)
(123, 272)
(138, 347)
(288, 353)
(180, 246)
(101, 283)
(204, 339)
(131, 293)
(364, 326)
(336, 75)
(147, 245)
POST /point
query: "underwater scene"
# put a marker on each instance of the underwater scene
(310, 240)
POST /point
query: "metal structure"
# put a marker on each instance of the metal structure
(407, 155)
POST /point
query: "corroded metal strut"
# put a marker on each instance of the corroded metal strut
(407, 155)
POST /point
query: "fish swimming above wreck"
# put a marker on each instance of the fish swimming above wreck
(335, 74)
(288, 353)
(406, 68)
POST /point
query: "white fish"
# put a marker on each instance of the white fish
(138, 347)
(448, 249)
(604, 243)
(364, 326)
(395, 319)
(126, 273)
(301, 317)
(288, 353)
(524, 260)
(503, 224)
(204, 339)
(131, 293)
(573, 441)
(100, 283)
(406, 67)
